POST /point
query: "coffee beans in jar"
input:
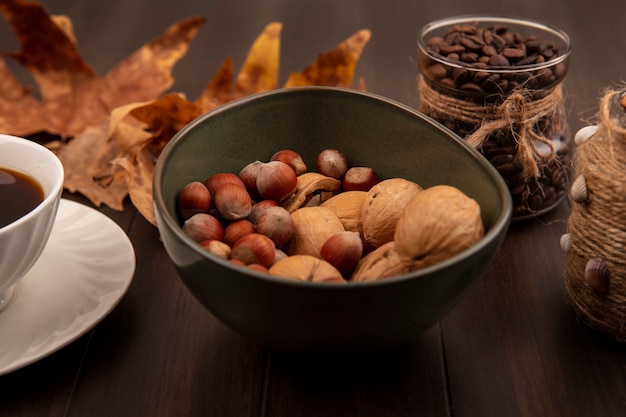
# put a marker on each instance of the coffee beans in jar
(497, 82)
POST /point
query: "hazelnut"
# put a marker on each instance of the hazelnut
(436, 224)
(312, 226)
(360, 179)
(216, 180)
(248, 176)
(203, 226)
(239, 228)
(258, 208)
(217, 248)
(232, 201)
(332, 163)
(276, 181)
(291, 158)
(280, 254)
(193, 198)
(343, 251)
(254, 248)
(306, 268)
(276, 223)
(383, 204)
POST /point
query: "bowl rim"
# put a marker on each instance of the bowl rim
(55, 189)
(493, 18)
(500, 225)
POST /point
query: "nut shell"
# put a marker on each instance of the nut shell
(348, 206)
(436, 224)
(382, 207)
(310, 185)
(312, 227)
(306, 268)
(383, 262)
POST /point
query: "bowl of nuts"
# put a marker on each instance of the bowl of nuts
(326, 220)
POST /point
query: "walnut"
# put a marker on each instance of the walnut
(382, 207)
(348, 206)
(383, 262)
(306, 268)
(436, 224)
(312, 226)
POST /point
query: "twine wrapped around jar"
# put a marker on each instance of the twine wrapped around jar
(518, 113)
(523, 135)
(595, 271)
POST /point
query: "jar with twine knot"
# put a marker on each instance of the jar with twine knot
(595, 270)
(498, 83)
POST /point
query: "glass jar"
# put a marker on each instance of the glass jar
(498, 82)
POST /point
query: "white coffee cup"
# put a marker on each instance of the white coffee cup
(23, 240)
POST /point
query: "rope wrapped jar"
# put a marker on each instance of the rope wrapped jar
(497, 82)
(595, 242)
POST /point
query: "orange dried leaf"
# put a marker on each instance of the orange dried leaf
(165, 117)
(89, 155)
(260, 70)
(147, 73)
(334, 68)
(219, 90)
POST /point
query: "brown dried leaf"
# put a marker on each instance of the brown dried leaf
(89, 155)
(71, 96)
(112, 129)
(220, 89)
(139, 171)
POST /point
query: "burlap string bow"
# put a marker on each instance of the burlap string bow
(519, 113)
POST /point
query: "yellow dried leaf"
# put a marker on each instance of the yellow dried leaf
(260, 70)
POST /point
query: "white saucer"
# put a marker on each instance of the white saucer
(84, 271)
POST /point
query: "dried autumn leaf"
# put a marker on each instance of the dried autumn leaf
(165, 117)
(260, 70)
(89, 154)
(113, 129)
(335, 67)
(219, 90)
(140, 170)
(72, 96)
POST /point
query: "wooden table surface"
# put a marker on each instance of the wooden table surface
(512, 347)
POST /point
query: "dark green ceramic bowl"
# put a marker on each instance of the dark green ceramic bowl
(370, 130)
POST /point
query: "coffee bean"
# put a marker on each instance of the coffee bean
(437, 71)
(489, 50)
(480, 52)
(499, 60)
(513, 54)
(496, 47)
